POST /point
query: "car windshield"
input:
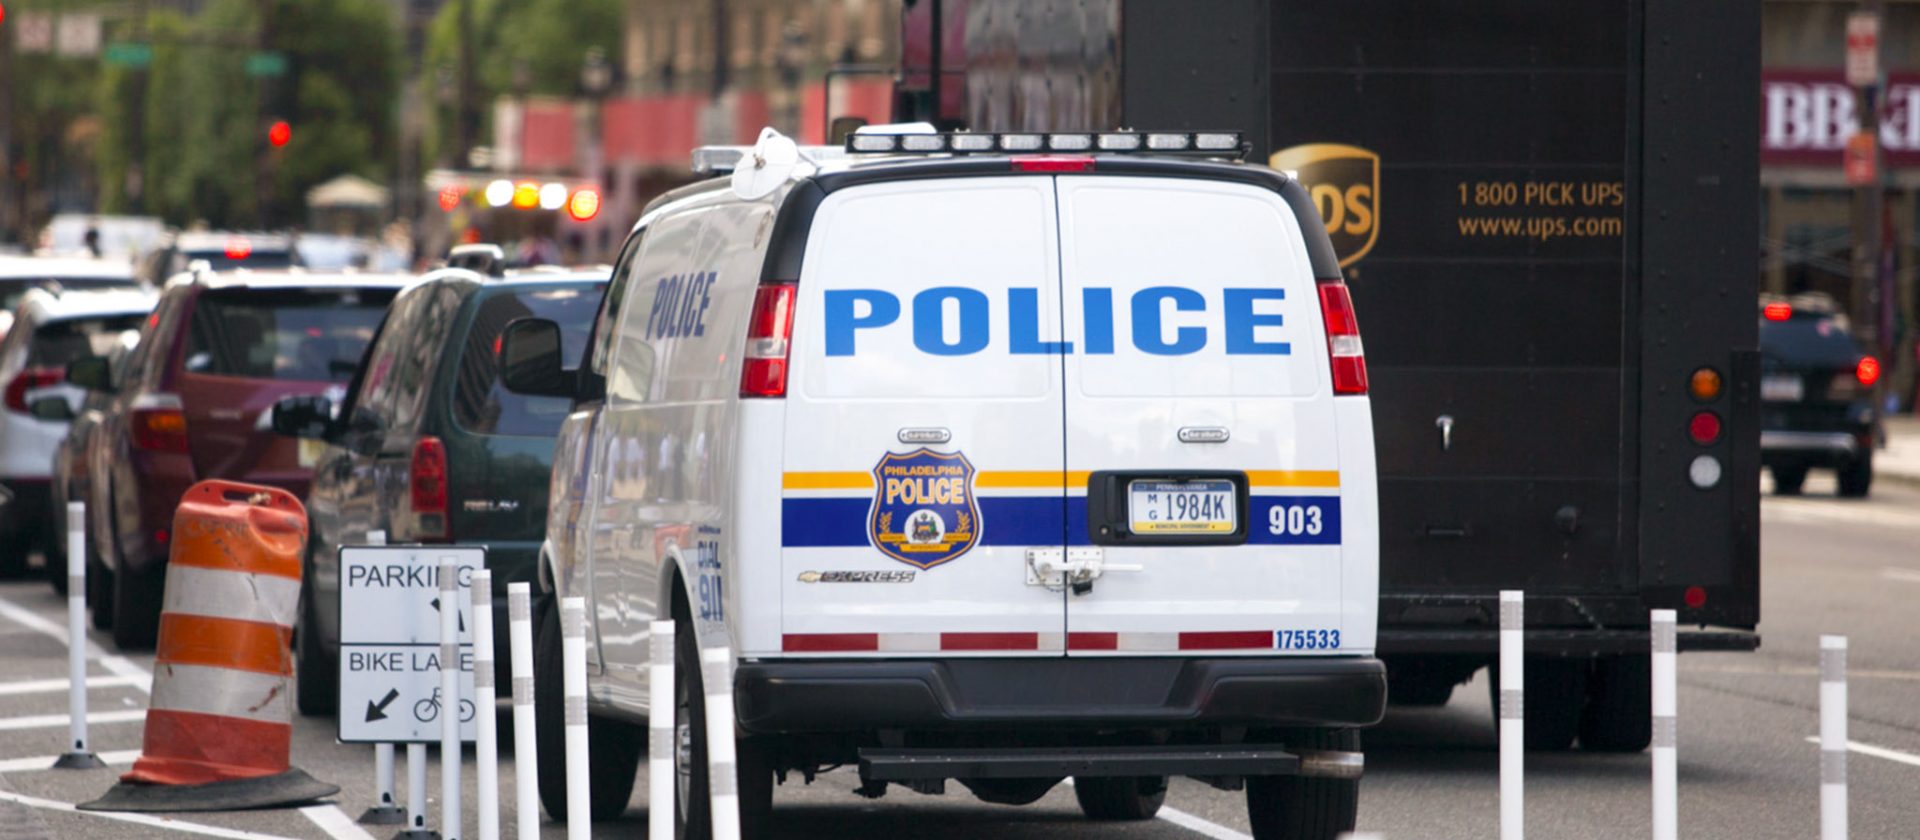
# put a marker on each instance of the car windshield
(57, 343)
(314, 335)
(1809, 339)
(481, 403)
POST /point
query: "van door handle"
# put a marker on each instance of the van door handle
(1445, 424)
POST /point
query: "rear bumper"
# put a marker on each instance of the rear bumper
(1555, 641)
(1832, 444)
(826, 696)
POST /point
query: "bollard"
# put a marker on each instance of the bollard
(723, 782)
(416, 796)
(662, 785)
(1833, 738)
(526, 751)
(573, 659)
(486, 752)
(450, 700)
(77, 756)
(1513, 736)
(1666, 733)
(386, 808)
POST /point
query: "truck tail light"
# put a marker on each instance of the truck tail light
(1343, 338)
(763, 372)
(159, 423)
(28, 380)
(1867, 371)
(427, 489)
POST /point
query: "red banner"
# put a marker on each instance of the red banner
(1806, 117)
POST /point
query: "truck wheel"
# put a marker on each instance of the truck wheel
(1788, 480)
(316, 675)
(1556, 694)
(136, 607)
(1299, 808)
(1120, 798)
(1857, 478)
(1619, 694)
(614, 755)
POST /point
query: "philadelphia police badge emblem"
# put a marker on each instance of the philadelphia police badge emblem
(923, 508)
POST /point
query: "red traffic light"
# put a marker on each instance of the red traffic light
(279, 133)
(584, 205)
(450, 196)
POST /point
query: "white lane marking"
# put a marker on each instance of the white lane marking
(335, 822)
(52, 721)
(1192, 823)
(1902, 575)
(45, 762)
(1876, 752)
(60, 684)
(139, 819)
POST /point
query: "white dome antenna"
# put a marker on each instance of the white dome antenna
(766, 166)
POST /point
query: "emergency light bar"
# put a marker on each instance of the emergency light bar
(1199, 143)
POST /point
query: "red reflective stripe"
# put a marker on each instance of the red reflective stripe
(823, 642)
(1226, 640)
(189, 748)
(1093, 641)
(989, 641)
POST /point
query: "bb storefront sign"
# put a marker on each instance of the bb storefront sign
(1806, 117)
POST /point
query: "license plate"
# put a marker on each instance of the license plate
(310, 450)
(1182, 507)
(1782, 388)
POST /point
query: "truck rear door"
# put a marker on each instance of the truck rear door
(1202, 431)
(923, 449)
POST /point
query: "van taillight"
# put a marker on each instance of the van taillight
(427, 477)
(769, 328)
(160, 429)
(1343, 338)
(28, 380)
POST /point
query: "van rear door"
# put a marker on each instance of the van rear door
(1201, 426)
(923, 448)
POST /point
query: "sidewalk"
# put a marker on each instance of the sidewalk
(1900, 461)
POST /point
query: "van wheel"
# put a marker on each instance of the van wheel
(1120, 798)
(1787, 481)
(1856, 478)
(1619, 693)
(1556, 695)
(614, 753)
(753, 757)
(136, 607)
(316, 675)
(1301, 808)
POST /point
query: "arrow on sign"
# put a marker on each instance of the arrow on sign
(461, 617)
(379, 712)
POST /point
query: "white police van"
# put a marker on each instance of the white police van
(999, 459)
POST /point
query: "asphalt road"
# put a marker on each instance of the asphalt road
(1747, 770)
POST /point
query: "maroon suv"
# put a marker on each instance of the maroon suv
(193, 402)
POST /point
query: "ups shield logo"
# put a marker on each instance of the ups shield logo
(1344, 182)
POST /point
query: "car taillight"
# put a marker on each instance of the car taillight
(160, 429)
(769, 330)
(1343, 338)
(1867, 371)
(28, 380)
(427, 489)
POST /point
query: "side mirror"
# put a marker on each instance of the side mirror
(303, 417)
(51, 408)
(530, 361)
(93, 373)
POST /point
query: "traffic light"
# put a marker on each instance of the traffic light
(279, 133)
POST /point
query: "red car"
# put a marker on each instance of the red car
(194, 402)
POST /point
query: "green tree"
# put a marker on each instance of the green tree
(520, 46)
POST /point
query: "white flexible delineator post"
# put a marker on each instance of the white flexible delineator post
(486, 749)
(1513, 740)
(1666, 732)
(526, 751)
(1833, 738)
(449, 700)
(662, 784)
(723, 781)
(78, 755)
(416, 792)
(573, 655)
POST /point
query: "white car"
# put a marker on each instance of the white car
(50, 329)
(998, 467)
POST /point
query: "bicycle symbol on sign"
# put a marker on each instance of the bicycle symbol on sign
(427, 710)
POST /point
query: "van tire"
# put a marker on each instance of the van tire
(1856, 477)
(1120, 798)
(316, 675)
(136, 607)
(1556, 695)
(614, 755)
(1618, 695)
(1302, 808)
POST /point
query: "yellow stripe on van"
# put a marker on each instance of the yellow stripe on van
(826, 481)
(1293, 478)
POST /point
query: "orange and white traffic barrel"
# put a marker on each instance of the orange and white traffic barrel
(220, 724)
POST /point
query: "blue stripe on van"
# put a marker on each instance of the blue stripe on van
(1045, 520)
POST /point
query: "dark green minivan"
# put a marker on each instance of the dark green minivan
(429, 446)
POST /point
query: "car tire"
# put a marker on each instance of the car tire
(614, 755)
(55, 558)
(16, 546)
(1619, 693)
(136, 607)
(99, 590)
(1856, 478)
(1301, 808)
(1787, 481)
(1556, 696)
(316, 675)
(1120, 798)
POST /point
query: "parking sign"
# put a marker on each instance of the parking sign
(390, 643)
